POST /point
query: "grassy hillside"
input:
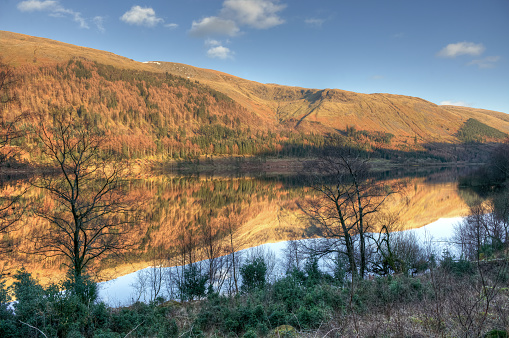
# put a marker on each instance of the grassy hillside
(179, 111)
(404, 116)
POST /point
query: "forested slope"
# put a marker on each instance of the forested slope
(177, 111)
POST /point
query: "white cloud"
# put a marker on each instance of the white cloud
(98, 21)
(36, 5)
(77, 18)
(214, 25)
(453, 50)
(171, 25)
(212, 42)
(314, 22)
(487, 62)
(454, 103)
(377, 77)
(220, 52)
(141, 16)
(54, 8)
(260, 14)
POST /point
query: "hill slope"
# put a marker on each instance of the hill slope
(396, 114)
(184, 107)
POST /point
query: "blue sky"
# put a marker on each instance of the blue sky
(448, 51)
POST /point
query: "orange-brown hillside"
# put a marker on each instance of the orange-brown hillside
(274, 107)
(397, 114)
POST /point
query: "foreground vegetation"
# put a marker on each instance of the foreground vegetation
(452, 298)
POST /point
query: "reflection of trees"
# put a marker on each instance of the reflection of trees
(489, 183)
(10, 133)
(173, 203)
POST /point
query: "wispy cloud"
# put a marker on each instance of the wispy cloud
(487, 62)
(454, 103)
(217, 50)
(453, 50)
(171, 25)
(54, 8)
(220, 52)
(36, 5)
(314, 22)
(214, 26)
(212, 42)
(141, 16)
(258, 14)
(99, 23)
(377, 77)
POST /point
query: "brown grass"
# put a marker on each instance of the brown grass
(307, 109)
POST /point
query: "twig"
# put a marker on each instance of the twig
(33, 327)
(191, 330)
(336, 328)
(134, 329)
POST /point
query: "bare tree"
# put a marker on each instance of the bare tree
(482, 239)
(232, 220)
(87, 208)
(293, 256)
(483, 232)
(347, 197)
(213, 249)
(396, 251)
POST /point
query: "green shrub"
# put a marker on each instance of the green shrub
(496, 334)
(460, 267)
(250, 334)
(193, 285)
(253, 274)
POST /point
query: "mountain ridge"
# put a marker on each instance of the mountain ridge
(272, 106)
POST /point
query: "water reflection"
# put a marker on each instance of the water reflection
(186, 219)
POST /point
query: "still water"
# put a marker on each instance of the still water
(180, 215)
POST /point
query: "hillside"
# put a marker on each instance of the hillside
(187, 111)
(397, 114)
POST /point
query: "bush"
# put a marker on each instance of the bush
(253, 274)
(193, 284)
(460, 267)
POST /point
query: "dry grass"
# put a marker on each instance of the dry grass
(307, 109)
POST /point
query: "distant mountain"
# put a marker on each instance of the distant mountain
(170, 109)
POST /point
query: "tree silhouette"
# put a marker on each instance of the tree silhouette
(88, 211)
(347, 198)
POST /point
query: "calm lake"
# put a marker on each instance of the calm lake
(184, 213)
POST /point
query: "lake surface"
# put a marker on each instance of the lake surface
(179, 214)
(161, 281)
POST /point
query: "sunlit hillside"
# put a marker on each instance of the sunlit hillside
(179, 111)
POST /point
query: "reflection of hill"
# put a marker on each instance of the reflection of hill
(177, 210)
(422, 203)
